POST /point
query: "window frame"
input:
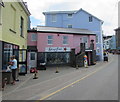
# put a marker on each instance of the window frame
(53, 18)
(69, 25)
(90, 18)
(69, 14)
(22, 26)
(65, 40)
(50, 39)
(83, 41)
(33, 38)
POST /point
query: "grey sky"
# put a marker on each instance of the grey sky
(106, 10)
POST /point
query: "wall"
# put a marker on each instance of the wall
(57, 41)
(8, 23)
(0, 55)
(80, 20)
(73, 41)
(29, 42)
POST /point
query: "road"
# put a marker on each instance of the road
(99, 82)
(101, 85)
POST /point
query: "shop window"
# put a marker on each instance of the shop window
(57, 58)
(8, 51)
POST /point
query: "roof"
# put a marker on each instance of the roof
(24, 7)
(67, 12)
(64, 30)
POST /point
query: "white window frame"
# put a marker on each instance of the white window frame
(53, 17)
(34, 38)
(90, 18)
(69, 14)
(69, 25)
(50, 39)
(65, 40)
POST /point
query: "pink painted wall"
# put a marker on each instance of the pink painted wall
(57, 41)
(29, 42)
(73, 41)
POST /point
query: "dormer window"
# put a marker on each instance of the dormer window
(70, 15)
(90, 18)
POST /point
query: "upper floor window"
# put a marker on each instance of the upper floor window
(53, 18)
(13, 18)
(50, 39)
(69, 25)
(0, 16)
(85, 40)
(90, 18)
(70, 15)
(21, 26)
(34, 37)
(65, 39)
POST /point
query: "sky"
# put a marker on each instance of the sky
(106, 10)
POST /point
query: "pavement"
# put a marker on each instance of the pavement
(45, 76)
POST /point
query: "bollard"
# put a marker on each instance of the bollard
(77, 67)
(57, 70)
(35, 75)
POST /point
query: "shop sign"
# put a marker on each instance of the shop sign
(57, 49)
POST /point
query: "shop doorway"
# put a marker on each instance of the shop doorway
(32, 59)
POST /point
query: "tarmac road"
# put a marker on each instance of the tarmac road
(98, 82)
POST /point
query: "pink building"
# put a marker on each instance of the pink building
(53, 45)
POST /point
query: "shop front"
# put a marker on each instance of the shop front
(8, 50)
(54, 56)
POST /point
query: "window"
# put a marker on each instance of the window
(21, 26)
(53, 18)
(85, 40)
(50, 40)
(90, 18)
(97, 39)
(34, 37)
(70, 15)
(13, 18)
(70, 26)
(32, 56)
(65, 39)
(0, 16)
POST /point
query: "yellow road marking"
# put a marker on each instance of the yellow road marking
(72, 83)
(67, 86)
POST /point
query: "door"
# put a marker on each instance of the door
(32, 59)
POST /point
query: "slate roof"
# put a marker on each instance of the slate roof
(64, 30)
